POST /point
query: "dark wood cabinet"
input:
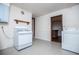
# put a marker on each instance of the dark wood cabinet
(56, 28)
(57, 18)
(54, 34)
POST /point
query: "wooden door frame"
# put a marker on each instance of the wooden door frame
(34, 27)
(51, 24)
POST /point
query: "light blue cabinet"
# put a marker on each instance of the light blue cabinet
(4, 12)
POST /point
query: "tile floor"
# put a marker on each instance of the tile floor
(39, 47)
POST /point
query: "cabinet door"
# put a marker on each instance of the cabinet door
(24, 39)
(4, 13)
(71, 42)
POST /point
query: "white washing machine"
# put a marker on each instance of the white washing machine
(70, 40)
(23, 38)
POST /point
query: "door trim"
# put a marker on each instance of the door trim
(33, 25)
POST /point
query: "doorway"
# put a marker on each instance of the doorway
(33, 27)
(56, 28)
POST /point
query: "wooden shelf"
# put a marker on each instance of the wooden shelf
(22, 21)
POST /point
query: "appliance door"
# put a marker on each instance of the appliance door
(24, 38)
(70, 40)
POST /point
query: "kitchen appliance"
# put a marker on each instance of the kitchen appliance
(70, 40)
(23, 37)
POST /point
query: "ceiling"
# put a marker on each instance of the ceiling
(39, 9)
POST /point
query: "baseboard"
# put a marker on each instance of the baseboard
(42, 39)
(6, 47)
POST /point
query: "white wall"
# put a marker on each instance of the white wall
(15, 13)
(43, 23)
